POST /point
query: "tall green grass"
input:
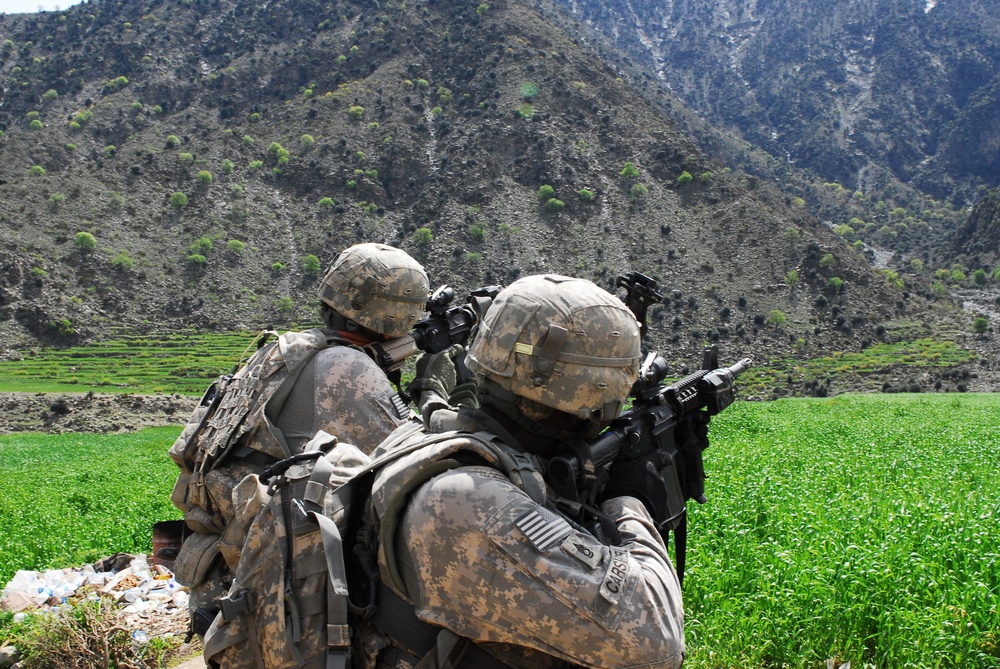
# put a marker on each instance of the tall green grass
(70, 499)
(861, 528)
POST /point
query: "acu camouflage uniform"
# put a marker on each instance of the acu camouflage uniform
(488, 558)
(303, 384)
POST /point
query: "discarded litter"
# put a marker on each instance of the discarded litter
(152, 602)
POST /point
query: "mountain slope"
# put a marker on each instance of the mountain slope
(293, 128)
(849, 89)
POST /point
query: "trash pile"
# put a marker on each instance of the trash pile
(152, 603)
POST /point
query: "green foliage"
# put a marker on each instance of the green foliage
(546, 193)
(254, 117)
(173, 141)
(528, 90)
(798, 202)
(422, 237)
(586, 195)
(639, 190)
(356, 112)
(979, 277)
(56, 200)
(841, 530)
(423, 83)
(36, 125)
(82, 505)
(792, 277)
(957, 276)
(310, 264)
(280, 152)
(307, 140)
(477, 231)
(482, 9)
(247, 140)
(185, 158)
(122, 262)
(444, 95)
(892, 278)
(285, 305)
(843, 230)
(204, 177)
(117, 83)
(235, 246)
(178, 200)
(85, 241)
(917, 265)
(706, 177)
(326, 203)
(776, 317)
(227, 166)
(50, 95)
(629, 171)
(203, 245)
(684, 178)
(828, 260)
(554, 205)
(525, 110)
(32, 115)
(110, 150)
(835, 285)
(36, 170)
(980, 325)
(255, 164)
(197, 259)
(436, 111)
(792, 234)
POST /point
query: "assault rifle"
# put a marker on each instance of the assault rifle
(445, 325)
(670, 421)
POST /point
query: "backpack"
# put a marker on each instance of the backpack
(308, 568)
(229, 436)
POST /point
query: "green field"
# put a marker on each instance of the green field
(182, 362)
(860, 528)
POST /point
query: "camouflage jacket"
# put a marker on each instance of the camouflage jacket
(476, 554)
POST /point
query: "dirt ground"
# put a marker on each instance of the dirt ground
(56, 413)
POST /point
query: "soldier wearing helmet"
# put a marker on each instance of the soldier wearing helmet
(478, 565)
(288, 391)
(371, 292)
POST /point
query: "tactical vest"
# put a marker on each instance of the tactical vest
(229, 436)
(294, 600)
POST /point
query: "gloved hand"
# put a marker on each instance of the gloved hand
(436, 373)
(640, 478)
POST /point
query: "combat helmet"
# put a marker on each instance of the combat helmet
(561, 342)
(377, 286)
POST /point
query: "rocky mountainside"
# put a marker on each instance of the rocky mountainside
(169, 163)
(850, 89)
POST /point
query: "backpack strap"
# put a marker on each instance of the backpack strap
(338, 631)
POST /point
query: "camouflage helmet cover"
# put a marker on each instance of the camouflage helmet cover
(377, 286)
(562, 342)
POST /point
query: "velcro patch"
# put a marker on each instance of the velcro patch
(616, 578)
(543, 528)
(581, 551)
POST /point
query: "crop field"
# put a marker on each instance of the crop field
(861, 528)
(186, 362)
(182, 362)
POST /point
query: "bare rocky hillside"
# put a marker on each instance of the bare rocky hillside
(196, 162)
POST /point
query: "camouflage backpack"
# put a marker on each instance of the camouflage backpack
(295, 598)
(230, 435)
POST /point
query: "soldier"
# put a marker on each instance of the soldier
(305, 382)
(477, 564)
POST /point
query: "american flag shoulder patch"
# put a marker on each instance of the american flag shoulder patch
(543, 528)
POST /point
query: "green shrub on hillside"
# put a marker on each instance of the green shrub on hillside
(356, 112)
(178, 200)
(629, 171)
(36, 170)
(311, 264)
(173, 141)
(85, 241)
(546, 193)
(204, 177)
(235, 246)
(203, 245)
(423, 237)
